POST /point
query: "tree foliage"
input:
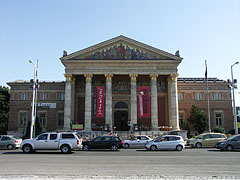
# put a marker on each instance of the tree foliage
(4, 109)
(198, 119)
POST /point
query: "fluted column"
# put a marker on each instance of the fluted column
(154, 103)
(108, 108)
(88, 102)
(133, 99)
(172, 81)
(73, 99)
(67, 102)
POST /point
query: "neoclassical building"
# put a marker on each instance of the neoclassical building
(138, 85)
(123, 85)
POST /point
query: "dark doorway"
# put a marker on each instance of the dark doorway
(121, 120)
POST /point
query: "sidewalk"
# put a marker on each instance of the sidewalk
(46, 177)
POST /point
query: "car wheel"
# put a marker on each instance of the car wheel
(10, 147)
(126, 146)
(198, 145)
(27, 148)
(65, 149)
(179, 148)
(114, 147)
(229, 148)
(86, 148)
(153, 148)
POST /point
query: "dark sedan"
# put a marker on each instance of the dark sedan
(230, 144)
(103, 142)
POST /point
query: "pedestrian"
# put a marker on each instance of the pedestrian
(131, 135)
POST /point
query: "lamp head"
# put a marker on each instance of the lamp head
(30, 61)
(237, 62)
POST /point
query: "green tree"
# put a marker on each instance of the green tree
(198, 119)
(4, 109)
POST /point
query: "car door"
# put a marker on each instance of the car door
(0, 142)
(172, 142)
(53, 141)
(236, 143)
(41, 142)
(206, 140)
(97, 143)
(133, 142)
(107, 142)
(138, 142)
(5, 141)
(214, 139)
(162, 143)
(144, 140)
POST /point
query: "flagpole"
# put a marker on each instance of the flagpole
(206, 77)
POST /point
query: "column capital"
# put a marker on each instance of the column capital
(133, 77)
(153, 77)
(172, 77)
(109, 76)
(73, 79)
(88, 77)
(68, 77)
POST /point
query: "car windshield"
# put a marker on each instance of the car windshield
(232, 137)
(199, 137)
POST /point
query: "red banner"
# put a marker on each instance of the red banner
(100, 102)
(143, 101)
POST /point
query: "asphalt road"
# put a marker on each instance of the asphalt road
(189, 163)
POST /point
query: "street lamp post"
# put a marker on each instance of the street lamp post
(234, 108)
(34, 99)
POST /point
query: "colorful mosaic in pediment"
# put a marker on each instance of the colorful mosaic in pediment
(120, 51)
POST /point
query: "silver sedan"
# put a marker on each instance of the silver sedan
(137, 142)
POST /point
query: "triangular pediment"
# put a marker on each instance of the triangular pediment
(121, 48)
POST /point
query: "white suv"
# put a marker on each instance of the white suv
(64, 141)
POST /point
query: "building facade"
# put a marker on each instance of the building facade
(121, 85)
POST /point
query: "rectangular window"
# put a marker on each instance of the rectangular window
(53, 136)
(216, 96)
(68, 136)
(24, 96)
(62, 96)
(180, 119)
(60, 120)
(42, 119)
(218, 119)
(179, 96)
(23, 119)
(197, 96)
(43, 96)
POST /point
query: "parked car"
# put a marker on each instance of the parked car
(64, 141)
(137, 142)
(103, 142)
(206, 140)
(230, 144)
(168, 142)
(9, 142)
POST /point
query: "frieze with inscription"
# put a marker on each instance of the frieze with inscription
(120, 51)
(121, 86)
(162, 85)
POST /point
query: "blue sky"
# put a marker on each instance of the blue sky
(200, 29)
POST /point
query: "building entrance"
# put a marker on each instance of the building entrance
(121, 116)
(121, 120)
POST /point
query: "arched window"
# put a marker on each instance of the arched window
(120, 105)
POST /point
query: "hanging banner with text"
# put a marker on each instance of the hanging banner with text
(100, 101)
(143, 101)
